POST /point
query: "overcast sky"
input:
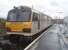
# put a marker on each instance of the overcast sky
(51, 7)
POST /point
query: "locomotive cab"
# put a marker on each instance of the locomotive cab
(19, 20)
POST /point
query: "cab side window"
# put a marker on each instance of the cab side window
(35, 16)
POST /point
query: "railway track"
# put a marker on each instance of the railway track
(19, 43)
(36, 40)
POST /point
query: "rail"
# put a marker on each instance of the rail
(36, 40)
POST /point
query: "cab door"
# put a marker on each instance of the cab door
(35, 23)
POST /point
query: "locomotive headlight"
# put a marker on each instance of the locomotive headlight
(7, 26)
(8, 23)
(27, 27)
(26, 30)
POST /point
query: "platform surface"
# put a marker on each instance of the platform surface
(54, 40)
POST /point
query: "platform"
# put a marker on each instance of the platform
(53, 39)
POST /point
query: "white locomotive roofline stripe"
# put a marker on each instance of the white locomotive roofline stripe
(28, 47)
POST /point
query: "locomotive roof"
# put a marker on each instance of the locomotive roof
(27, 9)
(20, 8)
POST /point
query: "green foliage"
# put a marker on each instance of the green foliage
(2, 25)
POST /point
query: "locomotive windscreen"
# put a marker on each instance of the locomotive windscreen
(19, 14)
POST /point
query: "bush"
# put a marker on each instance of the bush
(2, 25)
